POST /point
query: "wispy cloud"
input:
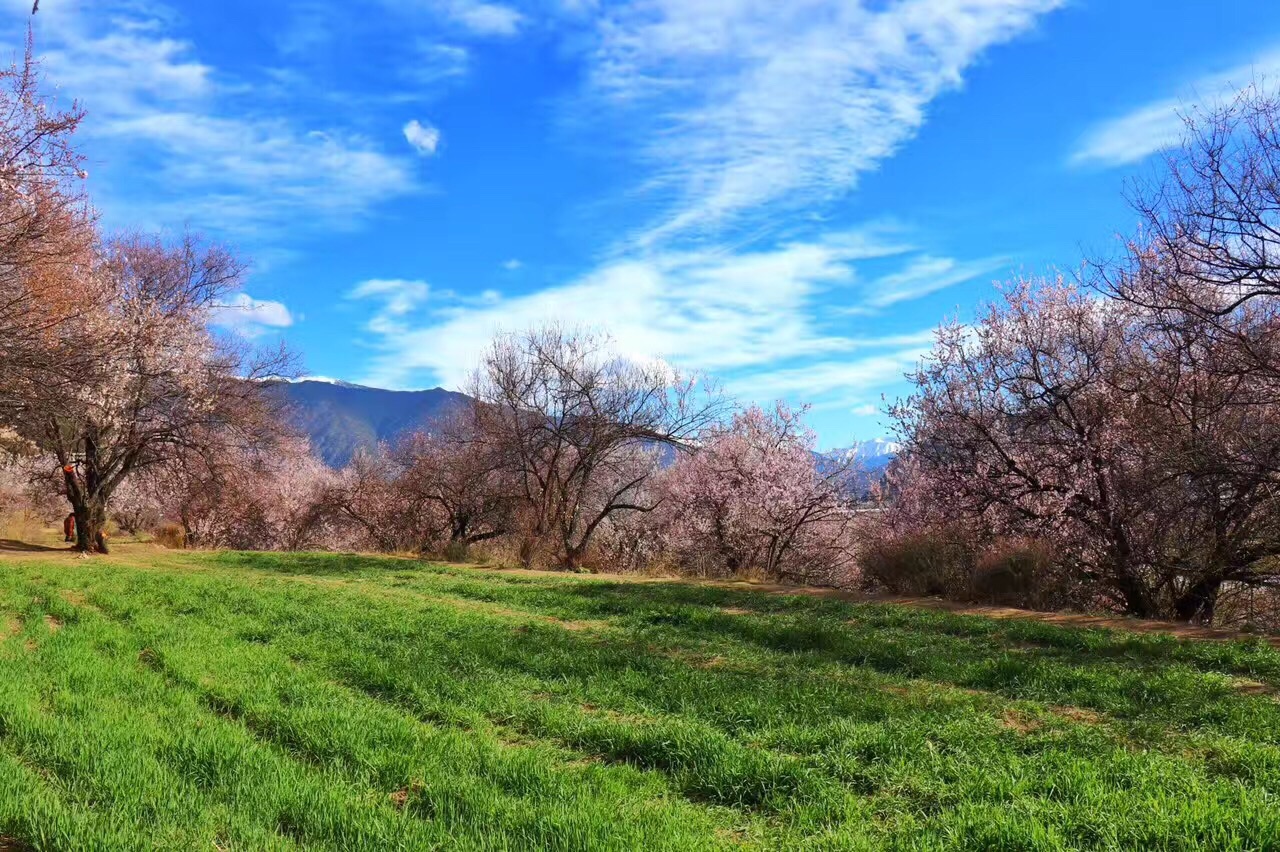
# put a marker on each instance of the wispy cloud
(397, 297)
(845, 382)
(470, 17)
(487, 19)
(184, 143)
(924, 275)
(737, 105)
(738, 315)
(424, 138)
(434, 62)
(1154, 126)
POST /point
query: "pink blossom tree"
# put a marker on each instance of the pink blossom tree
(47, 236)
(152, 382)
(389, 496)
(246, 498)
(755, 495)
(1128, 444)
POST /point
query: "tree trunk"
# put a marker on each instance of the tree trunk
(91, 521)
(573, 557)
(528, 550)
(1198, 602)
(88, 502)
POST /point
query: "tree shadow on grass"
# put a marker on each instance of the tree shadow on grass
(892, 635)
(887, 637)
(10, 545)
(315, 564)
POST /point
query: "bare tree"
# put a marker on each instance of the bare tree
(368, 495)
(1214, 216)
(578, 429)
(453, 468)
(1210, 244)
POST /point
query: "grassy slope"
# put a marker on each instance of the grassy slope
(336, 702)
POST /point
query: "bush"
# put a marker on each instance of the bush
(935, 562)
(1016, 573)
(171, 536)
(457, 551)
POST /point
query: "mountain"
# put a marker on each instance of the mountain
(341, 418)
(872, 456)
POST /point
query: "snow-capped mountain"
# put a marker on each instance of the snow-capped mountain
(872, 455)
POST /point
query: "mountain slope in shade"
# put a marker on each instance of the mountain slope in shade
(341, 418)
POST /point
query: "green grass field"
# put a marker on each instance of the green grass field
(267, 701)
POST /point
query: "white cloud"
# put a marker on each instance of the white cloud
(512, 264)
(473, 17)
(739, 104)
(1157, 125)
(424, 138)
(184, 144)
(837, 382)
(706, 309)
(484, 19)
(436, 62)
(249, 316)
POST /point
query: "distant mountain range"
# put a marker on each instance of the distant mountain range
(341, 418)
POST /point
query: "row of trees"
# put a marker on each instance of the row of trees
(567, 456)
(572, 457)
(1129, 421)
(1111, 441)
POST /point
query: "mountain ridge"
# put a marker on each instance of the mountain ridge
(341, 418)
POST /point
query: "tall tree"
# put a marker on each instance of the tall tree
(151, 380)
(1213, 216)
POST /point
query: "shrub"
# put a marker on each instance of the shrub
(457, 551)
(933, 562)
(172, 536)
(1017, 572)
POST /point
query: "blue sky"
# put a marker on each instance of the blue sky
(787, 195)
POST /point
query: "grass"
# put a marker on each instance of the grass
(278, 701)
